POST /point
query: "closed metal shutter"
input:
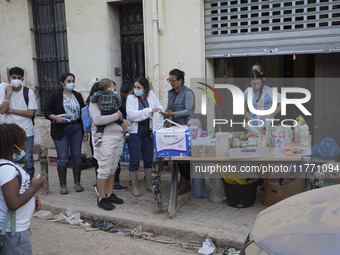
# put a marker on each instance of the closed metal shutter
(265, 27)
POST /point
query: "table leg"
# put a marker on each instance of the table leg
(175, 203)
(156, 184)
(304, 161)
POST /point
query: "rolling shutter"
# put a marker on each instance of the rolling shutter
(265, 27)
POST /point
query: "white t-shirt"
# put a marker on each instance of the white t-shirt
(25, 212)
(18, 102)
(2, 116)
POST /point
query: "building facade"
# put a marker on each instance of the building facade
(209, 40)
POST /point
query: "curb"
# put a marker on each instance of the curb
(172, 232)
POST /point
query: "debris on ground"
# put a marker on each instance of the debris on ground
(102, 223)
(208, 247)
(138, 234)
(45, 215)
(230, 251)
(72, 217)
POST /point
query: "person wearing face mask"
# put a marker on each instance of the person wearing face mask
(108, 102)
(139, 108)
(19, 111)
(181, 107)
(17, 196)
(63, 109)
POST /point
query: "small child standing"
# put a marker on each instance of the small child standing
(108, 102)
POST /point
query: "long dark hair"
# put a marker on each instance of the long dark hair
(94, 89)
(63, 77)
(145, 83)
(10, 135)
(178, 73)
(255, 75)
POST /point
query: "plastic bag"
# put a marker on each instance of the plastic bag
(327, 148)
(157, 121)
(87, 121)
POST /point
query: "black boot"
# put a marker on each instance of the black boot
(76, 177)
(62, 171)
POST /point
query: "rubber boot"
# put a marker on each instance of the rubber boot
(76, 178)
(62, 171)
(148, 179)
(134, 182)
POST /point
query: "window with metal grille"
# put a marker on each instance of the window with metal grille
(238, 21)
(51, 45)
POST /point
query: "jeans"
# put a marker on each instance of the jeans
(117, 173)
(20, 243)
(142, 141)
(28, 158)
(71, 140)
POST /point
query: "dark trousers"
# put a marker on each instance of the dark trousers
(184, 170)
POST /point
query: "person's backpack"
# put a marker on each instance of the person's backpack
(26, 100)
(87, 121)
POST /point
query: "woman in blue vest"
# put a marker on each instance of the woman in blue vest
(181, 107)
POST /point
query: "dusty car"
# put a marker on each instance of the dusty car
(307, 223)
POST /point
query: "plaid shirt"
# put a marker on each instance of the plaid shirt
(106, 100)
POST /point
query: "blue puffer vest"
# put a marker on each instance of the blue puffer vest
(176, 104)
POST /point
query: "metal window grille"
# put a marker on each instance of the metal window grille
(255, 27)
(51, 45)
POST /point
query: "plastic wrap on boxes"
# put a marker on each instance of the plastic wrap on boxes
(255, 152)
(174, 141)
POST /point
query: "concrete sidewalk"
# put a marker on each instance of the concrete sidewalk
(198, 218)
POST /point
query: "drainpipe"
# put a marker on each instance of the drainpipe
(155, 23)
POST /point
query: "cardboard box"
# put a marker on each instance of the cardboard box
(253, 152)
(174, 141)
(274, 192)
(203, 150)
(36, 152)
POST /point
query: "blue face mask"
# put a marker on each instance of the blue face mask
(69, 86)
(16, 157)
(138, 93)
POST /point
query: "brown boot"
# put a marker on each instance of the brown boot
(183, 186)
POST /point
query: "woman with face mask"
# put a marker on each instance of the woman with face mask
(140, 106)
(63, 109)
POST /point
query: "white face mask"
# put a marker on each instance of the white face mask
(16, 83)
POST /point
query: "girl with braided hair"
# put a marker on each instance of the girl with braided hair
(17, 193)
(262, 97)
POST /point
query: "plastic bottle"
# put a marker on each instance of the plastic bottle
(216, 190)
(126, 153)
(198, 185)
(304, 134)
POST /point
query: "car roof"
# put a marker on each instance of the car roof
(307, 223)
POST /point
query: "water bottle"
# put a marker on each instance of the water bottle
(126, 153)
(198, 186)
(216, 190)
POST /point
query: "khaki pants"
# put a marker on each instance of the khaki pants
(108, 155)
